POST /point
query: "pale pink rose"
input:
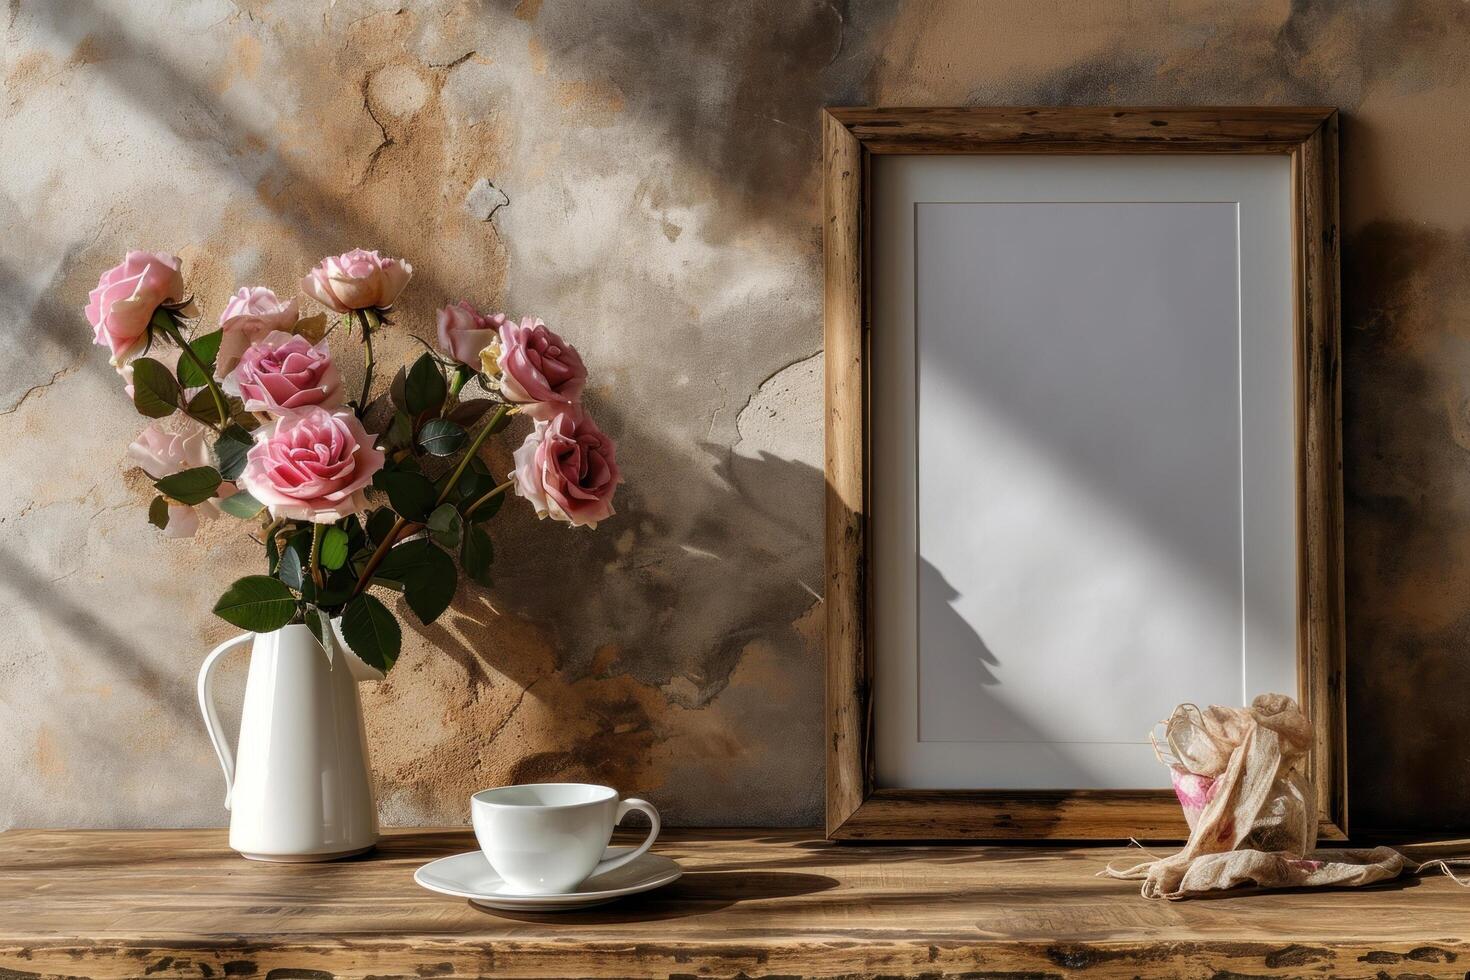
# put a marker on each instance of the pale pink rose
(538, 370)
(311, 465)
(161, 453)
(127, 295)
(125, 371)
(568, 470)
(464, 332)
(250, 314)
(357, 280)
(284, 372)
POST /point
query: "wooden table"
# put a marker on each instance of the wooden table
(752, 903)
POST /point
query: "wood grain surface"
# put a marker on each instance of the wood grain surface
(1081, 129)
(752, 903)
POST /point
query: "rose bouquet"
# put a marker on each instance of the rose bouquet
(347, 494)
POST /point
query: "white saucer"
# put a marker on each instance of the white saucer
(470, 876)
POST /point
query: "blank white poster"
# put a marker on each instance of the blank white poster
(1098, 521)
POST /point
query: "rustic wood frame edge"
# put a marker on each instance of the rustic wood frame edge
(855, 808)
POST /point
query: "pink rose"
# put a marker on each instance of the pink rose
(311, 466)
(1194, 792)
(161, 453)
(250, 314)
(357, 280)
(283, 372)
(538, 370)
(464, 332)
(125, 371)
(568, 470)
(122, 305)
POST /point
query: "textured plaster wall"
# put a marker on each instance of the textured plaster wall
(644, 176)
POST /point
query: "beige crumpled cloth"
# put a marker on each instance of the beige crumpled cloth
(1238, 773)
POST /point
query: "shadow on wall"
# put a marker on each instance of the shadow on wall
(679, 593)
(93, 633)
(751, 132)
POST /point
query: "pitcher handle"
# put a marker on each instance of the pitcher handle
(211, 718)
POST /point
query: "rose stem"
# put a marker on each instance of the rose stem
(472, 452)
(403, 526)
(316, 554)
(177, 336)
(367, 376)
(486, 499)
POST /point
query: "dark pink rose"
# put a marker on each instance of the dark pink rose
(311, 466)
(357, 280)
(538, 370)
(568, 470)
(250, 314)
(284, 372)
(122, 305)
(464, 332)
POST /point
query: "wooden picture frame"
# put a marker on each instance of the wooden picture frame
(855, 808)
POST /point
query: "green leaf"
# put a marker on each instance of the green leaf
(192, 486)
(440, 437)
(334, 548)
(230, 449)
(320, 625)
(158, 513)
(207, 347)
(490, 507)
(468, 412)
(411, 494)
(477, 554)
(241, 505)
(295, 559)
(203, 408)
(257, 603)
(379, 523)
(272, 553)
(395, 390)
(338, 588)
(371, 632)
(399, 434)
(445, 526)
(472, 486)
(425, 388)
(155, 392)
(428, 576)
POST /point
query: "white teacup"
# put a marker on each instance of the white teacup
(548, 838)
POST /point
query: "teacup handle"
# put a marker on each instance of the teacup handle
(624, 808)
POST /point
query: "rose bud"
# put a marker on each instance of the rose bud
(357, 280)
(464, 331)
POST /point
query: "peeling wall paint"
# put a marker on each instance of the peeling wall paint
(644, 176)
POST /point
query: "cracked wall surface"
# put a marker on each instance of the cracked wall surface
(644, 176)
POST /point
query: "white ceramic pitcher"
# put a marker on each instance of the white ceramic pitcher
(301, 789)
